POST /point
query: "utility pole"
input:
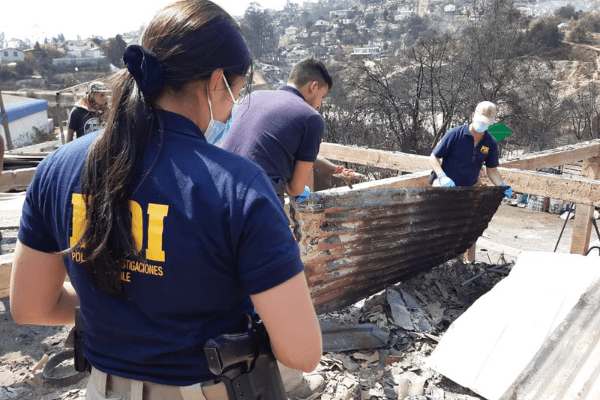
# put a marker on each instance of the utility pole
(5, 124)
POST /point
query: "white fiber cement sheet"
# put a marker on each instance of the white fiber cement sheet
(488, 346)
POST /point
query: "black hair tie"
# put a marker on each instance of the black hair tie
(145, 68)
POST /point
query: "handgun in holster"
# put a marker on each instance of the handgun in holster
(81, 363)
(246, 364)
(432, 177)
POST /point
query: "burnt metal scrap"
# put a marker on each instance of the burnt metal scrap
(339, 337)
(16, 161)
(356, 243)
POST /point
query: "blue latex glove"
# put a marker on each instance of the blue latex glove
(304, 195)
(508, 192)
(445, 181)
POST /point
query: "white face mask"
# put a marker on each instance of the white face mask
(479, 126)
(217, 130)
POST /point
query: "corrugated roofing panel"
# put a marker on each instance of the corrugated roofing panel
(355, 243)
(534, 336)
(567, 366)
(20, 109)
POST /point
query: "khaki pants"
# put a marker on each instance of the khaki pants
(102, 386)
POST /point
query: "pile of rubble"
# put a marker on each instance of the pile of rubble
(377, 348)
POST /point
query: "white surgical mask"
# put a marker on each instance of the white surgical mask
(479, 126)
(216, 131)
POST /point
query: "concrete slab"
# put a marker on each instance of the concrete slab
(494, 340)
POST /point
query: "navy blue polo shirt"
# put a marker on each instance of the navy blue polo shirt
(212, 231)
(276, 128)
(461, 159)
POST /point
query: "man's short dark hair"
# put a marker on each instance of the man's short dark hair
(310, 70)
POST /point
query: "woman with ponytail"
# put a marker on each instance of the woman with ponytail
(167, 240)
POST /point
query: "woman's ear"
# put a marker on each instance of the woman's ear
(213, 82)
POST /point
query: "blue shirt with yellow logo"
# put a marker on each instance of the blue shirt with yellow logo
(461, 159)
(212, 231)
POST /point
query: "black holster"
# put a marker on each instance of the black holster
(246, 364)
(81, 363)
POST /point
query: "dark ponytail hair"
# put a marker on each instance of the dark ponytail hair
(185, 42)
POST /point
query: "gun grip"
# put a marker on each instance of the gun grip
(211, 351)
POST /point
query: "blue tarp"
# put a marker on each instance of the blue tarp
(21, 109)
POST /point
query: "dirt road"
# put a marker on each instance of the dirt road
(514, 229)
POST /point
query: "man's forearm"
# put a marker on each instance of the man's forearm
(436, 165)
(494, 176)
(70, 134)
(324, 164)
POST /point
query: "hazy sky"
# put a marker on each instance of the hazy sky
(37, 19)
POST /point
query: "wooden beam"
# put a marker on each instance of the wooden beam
(375, 158)
(582, 231)
(555, 157)
(412, 162)
(17, 179)
(418, 179)
(584, 213)
(574, 189)
(5, 267)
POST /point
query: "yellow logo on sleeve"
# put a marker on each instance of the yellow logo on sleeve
(485, 150)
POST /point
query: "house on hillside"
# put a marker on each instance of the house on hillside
(291, 31)
(340, 13)
(49, 46)
(563, 27)
(78, 44)
(450, 9)
(10, 55)
(86, 53)
(26, 119)
(365, 51)
(322, 23)
(80, 53)
(402, 14)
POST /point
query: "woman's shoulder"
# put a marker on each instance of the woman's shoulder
(67, 155)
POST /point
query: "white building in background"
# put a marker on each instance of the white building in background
(26, 118)
(10, 55)
(78, 44)
(366, 51)
(450, 9)
(340, 13)
(291, 31)
(403, 14)
(563, 27)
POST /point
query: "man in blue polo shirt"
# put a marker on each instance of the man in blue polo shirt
(281, 130)
(464, 150)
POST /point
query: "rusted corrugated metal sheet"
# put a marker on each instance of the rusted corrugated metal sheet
(355, 243)
(567, 366)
